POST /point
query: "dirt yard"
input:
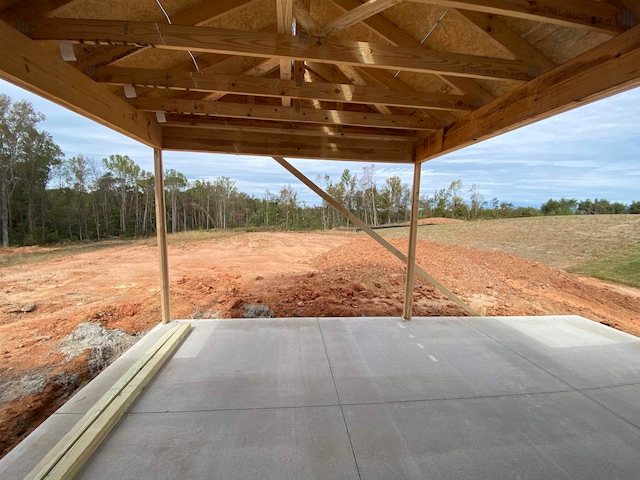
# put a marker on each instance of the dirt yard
(46, 355)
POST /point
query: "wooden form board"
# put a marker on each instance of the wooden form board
(76, 447)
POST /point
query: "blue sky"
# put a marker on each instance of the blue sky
(593, 151)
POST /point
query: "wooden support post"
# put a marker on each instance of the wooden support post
(161, 229)
(360, 224)
(413, 239)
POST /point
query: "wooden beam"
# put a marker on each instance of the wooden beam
(69, 455)
(269, 45)
(29, 9)
(195, 15)
(304, 19)
(161, 232)
(584, 14)
(292, 132)
(249, 127)
(267, 87)
(27, 65)
(372, 233)
(396, 36)
(413, 241)
(507, 39)
(609, 68)
(303, 115)
(284, 13)
(288, 146)
(356, 15)
(402, 146)
(386, 79)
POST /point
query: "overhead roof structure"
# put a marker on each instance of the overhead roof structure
(377, 81)
(383, 80)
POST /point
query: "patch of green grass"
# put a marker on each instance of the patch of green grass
(621, 267)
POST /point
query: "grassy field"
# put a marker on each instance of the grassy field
(602, 246)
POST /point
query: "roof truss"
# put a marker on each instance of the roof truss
(334, 79)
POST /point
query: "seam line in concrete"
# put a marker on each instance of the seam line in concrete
(335, 386)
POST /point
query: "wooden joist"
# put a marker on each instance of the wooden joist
(28, 65)
(356, 15)
(592, 15)
(269, 45)
(268, 87)
(324, 148)
(609, 68)
(275, 113)
(396, 36)
(507, 39)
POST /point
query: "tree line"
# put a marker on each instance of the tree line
(48, 198)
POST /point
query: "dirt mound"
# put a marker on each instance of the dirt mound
(257, 275)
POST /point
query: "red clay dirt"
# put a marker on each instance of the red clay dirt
(282, 274)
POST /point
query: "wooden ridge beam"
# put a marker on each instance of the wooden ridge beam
(597, 16)
(269, 45)
(27, 65)
(268, 87)
(304, 115)
(609, 68)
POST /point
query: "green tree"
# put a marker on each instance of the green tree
(17, 134)
(125, 171)
(81, 174)
(175, 182)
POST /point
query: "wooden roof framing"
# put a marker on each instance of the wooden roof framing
(379, 80)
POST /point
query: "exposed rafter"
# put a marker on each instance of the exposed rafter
(284, 13)
(593, 15)
(236, 142)
(396, 36)
(29, 66)
(263, 44)
(507, 39)
(267, 87)
(304, 115)
(607, 69)
(356, 15)
(28, 9)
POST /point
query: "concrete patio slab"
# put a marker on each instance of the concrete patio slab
(383, 361)
(553, 435)
(582, 354)
(369, 398)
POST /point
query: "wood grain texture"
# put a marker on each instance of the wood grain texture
(269, 87)
(610, 68)
(29, 66)
(265, 44)
(591, 15)
(303, 115)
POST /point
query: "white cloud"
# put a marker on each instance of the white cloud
(593, 151)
